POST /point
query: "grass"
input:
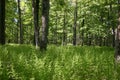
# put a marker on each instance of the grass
(24, 62)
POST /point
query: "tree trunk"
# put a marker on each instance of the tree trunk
(112, 24)
(89, 39)
(20, 23)
(55, 31)
(35, 8)
(75, 24)
(64, 29)
(2, 22)
(117, 36)
(45, 24)
(113, 40)
(100, 40)
(83, 22)
(16, 35)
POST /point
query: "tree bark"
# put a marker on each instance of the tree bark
(55, 31)
(35, 8)
(20, 23)
(17, 35)
(117, 36)
(2, 22)
(113, 40)
(45, 24)
(64, 29)
(75, 24)
(83, 22)
(112, 24)
(89, 39)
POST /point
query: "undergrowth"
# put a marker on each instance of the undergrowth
(24, 62)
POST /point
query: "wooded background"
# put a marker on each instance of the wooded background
(66, 22)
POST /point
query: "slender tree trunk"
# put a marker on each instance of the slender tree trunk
(113, 28)
(113, 40)
(104, 41)
(35, 5)
(45, 24)
(55, 31)
(20, 23)
(16, 35)
(2, 22)
(117, 36)
(78, 35)
(64, 29)
(100, 41)
(89, 39)
(83, 22)
(75, 25)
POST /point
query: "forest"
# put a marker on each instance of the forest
(59, 39)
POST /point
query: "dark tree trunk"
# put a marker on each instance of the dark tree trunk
(104, 41)
(113, 40)
(96, 39)
(89, 39)
(20, 23)
(75, 25)
(100, 40)
(117, 36)
(2, 22)
(55, 31)
(83, 22)
(35, 5)
(112, 24)
(64, 29)
(16, 35)
(45, 24)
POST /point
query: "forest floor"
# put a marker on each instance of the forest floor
(24, 62)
